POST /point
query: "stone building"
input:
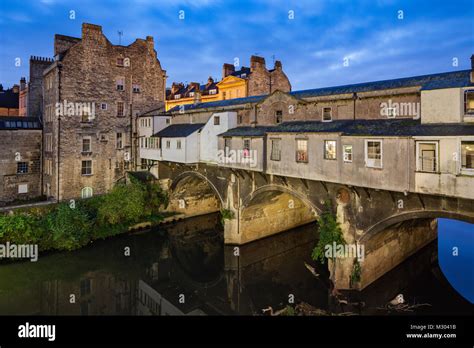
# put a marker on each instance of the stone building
(93, 92)
(245, 82)
(9, 101)
(35, 106)
(20, 159)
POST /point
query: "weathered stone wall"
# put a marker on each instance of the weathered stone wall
(35, 86)
(27, 143)
(262, 81)
(88, 73)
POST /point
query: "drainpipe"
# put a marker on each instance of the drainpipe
(58, 162)
(354, 98)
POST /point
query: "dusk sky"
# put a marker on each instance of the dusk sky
(312, 46)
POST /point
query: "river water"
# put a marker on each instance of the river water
(184, 268)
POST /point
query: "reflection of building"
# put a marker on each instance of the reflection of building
(96, 293)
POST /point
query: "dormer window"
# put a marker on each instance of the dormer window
(327, 114)
(191, 94)
(177, 96)
(243, 76)
(212, 91)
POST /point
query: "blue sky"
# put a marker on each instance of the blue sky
(312, 46)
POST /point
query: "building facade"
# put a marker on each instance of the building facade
(93, 93)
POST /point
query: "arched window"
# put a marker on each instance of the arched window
(86, 192)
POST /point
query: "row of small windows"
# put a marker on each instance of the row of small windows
(20, 124)
(120, 85)
(145, 122)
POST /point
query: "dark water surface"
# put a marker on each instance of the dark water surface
(186, 269)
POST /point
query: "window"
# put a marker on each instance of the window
(86, 144)
(168, 121)
(120, 110)
(103, 106)
(217, 120)
(136, 88)
(240, 119)
(144, 163)
(120, 84)
(246, 148)
(223, 95)
(86, 192)
(467, 154)
(276, 150)
(191, 94)
(301, 150)
(347, 153)
(22, 168)
(469, 102)
(327, 114)
(177, 96)
(373, 153)
(48, 167)
(48, 142)
(168, 144)
(120, 62)
(279, 116)
(86, 168)
(227, 145)
(213, 91)
(243, 76)
(22, 188)
(427, 153)
(178, 144)
(330, 149)
(119, 143)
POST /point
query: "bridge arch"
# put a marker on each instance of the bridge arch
(271, 209)
(192, 193)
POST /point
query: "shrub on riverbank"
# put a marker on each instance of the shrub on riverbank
(70, 226)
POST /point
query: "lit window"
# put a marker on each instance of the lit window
(330, 149)
(191, 94)
(469, 102)
(467, 154)
(327, 114)
(276, 150)
(22, 168)
(347, 153)
(177, 96)
(373, 153)
(86, 168)
(427, 156)
(301, 150)
(86, 192)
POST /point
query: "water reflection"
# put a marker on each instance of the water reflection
(185, 269)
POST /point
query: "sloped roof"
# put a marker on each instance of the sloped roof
(179, 130)
(432, 81)
(400, 127)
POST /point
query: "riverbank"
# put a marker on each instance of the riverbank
(74, 224)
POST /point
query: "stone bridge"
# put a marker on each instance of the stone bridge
(391, 226)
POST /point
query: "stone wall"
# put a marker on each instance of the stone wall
(35, 86)
(27, 143)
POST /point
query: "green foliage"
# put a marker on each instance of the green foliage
(356, 272)
(329, 232)
(58, 226)
(124, 204)
(70, 228)
(226, 214)
(290, 311)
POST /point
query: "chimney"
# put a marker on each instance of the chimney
(278, 65)
(472, 68)
(150, 42)
(175, 87)
(257, 62)
(210, 80)
(91, 31)
(197, 96)
(16, 89)
(22, 84)
(227, 69)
